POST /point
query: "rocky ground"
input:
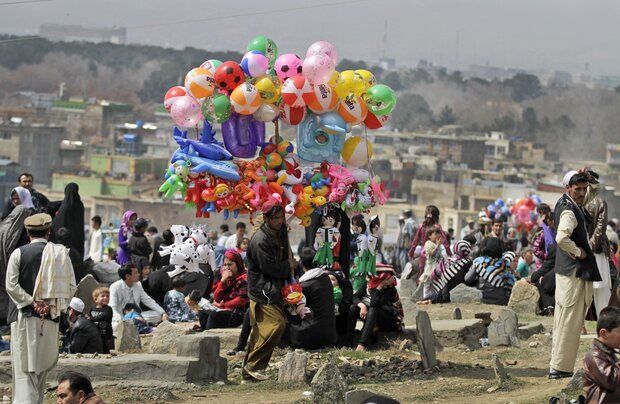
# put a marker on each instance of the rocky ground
(393, 369)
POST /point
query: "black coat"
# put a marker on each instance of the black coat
(546, 272)
(139, 246)
(319, 331)
(85, 337)
(160, 283)
(70, 215)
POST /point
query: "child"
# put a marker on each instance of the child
(601, 380)
(101, 315)
(131, 312)
(434, 251)
(174, 302)
(337, 292)
(196, 302)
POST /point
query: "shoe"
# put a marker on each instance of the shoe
(557, 374)
(258, 376)
(231, 352)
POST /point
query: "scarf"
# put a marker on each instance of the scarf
(24, 197)
(10, 233)
(125, 222)
(56, 280)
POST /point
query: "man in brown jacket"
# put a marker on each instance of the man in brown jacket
(597, 226)
(601, 380)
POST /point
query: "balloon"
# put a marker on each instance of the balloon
(267, 113)
(216, 108)
(369, 78)
(266, 46)
(322, 99)
(285, 147)
(320, 137)
(323, 48)
(268, 87)
(294, 89)
(211, 65)
(200, 82)
(243, 135)
(375, 122)
(287, 66)
(356, 151)
(318, 69)
(273, 160)
(523, 214)
(229, 76)
(185, 112)
(334, 80)
(349, 82)
(254, 63)
(353, 109)
(245, 99)
(500, 202)
(292, 115)
(380, 99)
(172, 95)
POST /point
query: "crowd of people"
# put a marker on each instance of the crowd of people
(339, 278)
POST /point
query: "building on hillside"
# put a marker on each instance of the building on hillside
(35, 147)
(9, 172)
(68, 33)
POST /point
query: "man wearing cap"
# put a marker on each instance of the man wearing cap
(468, 228)
(40, 283)
(84, 335)
(575, 268)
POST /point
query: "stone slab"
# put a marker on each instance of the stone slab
(527, 330)
(452, 332)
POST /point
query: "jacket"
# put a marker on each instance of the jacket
(85, 337)
(268, 265)
(139, 245)
(601, 379)
(546, 272)
(385, 299)
(233, 294)
(597, 228)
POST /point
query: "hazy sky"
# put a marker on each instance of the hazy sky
(548, 34)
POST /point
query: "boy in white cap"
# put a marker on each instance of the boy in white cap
(84, 336)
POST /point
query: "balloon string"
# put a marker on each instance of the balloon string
(372, 172)
(277, 131)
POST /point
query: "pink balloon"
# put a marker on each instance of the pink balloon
(185, 112)
(318, 69)
(323, 48)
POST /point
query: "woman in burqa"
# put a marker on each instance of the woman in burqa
(70, 215)
(12, 236)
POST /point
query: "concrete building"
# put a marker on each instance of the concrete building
(9, 172)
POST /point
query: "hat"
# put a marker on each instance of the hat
(77, 304)
(141, 222)
(469, 219)
(40, 221)
(567, 178)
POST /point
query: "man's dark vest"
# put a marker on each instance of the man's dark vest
(29, 264)
(585, 269)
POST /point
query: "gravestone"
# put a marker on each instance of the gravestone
(85, 290)
(293, 368)
(524, 298)
(456, 314)
(328, 384)
(426, 340)
(127, 338)
(505, 329)
(465, 294)
(166, 336)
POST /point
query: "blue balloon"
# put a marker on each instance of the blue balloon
(321, 137)
(500, 202)
(243, 135)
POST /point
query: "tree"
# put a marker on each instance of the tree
(347, 64)
(505, 123)
(524, 86)
(446, 116)
(529, 122)
(412, 113)
(392, 79)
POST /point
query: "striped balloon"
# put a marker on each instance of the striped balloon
(322, 99)
(200, 82)
(245, 99)
(353, 109)
(292, 115)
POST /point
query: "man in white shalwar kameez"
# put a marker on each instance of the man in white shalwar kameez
(40, 283)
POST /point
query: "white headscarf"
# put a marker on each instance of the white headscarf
(568, 177)
(24, 197)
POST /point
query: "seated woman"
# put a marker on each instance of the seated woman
(174, 302)
(319, 330)
(449, 274)
(496, 274)
(230, 295)
(544, 279)
(377, 304)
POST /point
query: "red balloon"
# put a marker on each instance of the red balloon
(373, 121)
(172, 94)
(229, 76)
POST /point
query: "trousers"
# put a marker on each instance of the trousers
(268, 323)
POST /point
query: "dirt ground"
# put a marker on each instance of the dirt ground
(464, 377)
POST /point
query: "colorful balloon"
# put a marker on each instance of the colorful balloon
(320, 137)
(229, 76)
(172, 95)
(356, 151)
(200, 82)
(266, 46)
(293, 90)
(267, 113)
(369, 78)
(287, 66)
(334, 80)
(380, 99)
(318, 69)
(373, 121)
(350, 82)
(268, 87)
(216, 108)
(185, 112)
(211, 65)
(323, 48)
(292, 115)
(254, 63)
(353, 109)
(243, 135)
(321, 99)
(245, 99)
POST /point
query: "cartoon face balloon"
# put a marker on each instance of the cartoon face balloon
(380, 99)
(321, 137)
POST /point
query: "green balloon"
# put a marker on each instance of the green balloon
(216, 108)
(265, 45)
(380, 99)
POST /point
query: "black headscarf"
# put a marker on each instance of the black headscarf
(71, 215)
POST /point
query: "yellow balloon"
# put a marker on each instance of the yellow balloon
(350, 82)
(333, 82)
(268, 87)
(368, 77)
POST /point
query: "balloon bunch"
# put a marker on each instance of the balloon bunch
(523, 211)
(189, 250)
(269, 87)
